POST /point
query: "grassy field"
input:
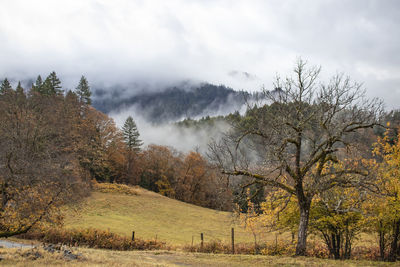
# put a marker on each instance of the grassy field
(96, 257)
(150, 215)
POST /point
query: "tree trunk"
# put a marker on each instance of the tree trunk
(329, 243)
(301, 247)
(4, 196)
(336, 245)
(381, 241)
(347, 246)
(393, 248)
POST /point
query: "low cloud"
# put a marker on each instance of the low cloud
(155, 44)
(181, 138)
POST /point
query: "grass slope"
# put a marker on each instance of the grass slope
(150, 214)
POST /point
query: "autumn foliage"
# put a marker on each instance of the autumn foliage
(186, 177)
(40, 137)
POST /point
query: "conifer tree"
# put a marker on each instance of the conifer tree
(19, 89)
(20, 95)
(131, 135)
(39, 81)
(5, 86)
(83, 91)
(52, 85)
(38, 86)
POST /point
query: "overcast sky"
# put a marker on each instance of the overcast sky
(242, 44)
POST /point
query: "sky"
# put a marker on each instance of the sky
(241, 44)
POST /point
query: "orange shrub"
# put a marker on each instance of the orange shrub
(93, 238)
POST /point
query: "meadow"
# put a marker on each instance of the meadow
(153, 216)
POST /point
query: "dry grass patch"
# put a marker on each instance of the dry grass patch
(97, 257)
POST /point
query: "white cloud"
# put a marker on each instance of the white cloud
(162, 42)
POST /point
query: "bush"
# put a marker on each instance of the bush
(278, 248)
(115, 188)
(281, 248)
(318, 250)
(220, 248)
(365, 253)
(240, 248)
(92, 238)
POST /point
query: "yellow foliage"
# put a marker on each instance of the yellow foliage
(279, 212)
(384, 208)
(250, 220)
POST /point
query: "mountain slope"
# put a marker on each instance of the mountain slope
(172, 103)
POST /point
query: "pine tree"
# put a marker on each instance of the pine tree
(83, 91)
(52, 85)
(131, 135)
(19, 89)
(38, 86)
(5, 86)
(20, 95)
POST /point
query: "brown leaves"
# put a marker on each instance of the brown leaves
(39, 169)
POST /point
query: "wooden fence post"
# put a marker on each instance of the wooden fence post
(133, 235)
(233, 240)
(202, 240)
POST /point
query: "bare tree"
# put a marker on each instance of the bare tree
(293, 140)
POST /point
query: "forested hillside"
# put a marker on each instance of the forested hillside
(172, 103)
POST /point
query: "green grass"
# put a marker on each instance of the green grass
(150, 215)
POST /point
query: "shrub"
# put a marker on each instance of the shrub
(115, 188)
(92, 238)
(226, 248)
(365, 253)
(220, 248)
(278, 248)
(318, 250)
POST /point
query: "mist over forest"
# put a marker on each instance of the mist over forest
(157, 112)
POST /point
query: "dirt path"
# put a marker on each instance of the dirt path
(12, 244)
